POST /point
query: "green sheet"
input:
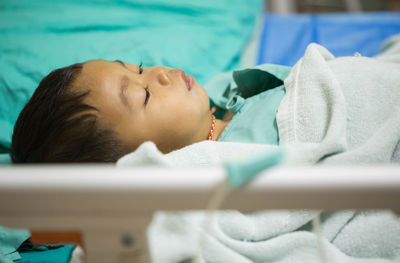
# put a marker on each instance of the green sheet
(201, 37)
(10, 241)
(61, 254)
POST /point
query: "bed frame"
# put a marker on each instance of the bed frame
(111, 207)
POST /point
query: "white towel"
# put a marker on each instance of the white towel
(276, 237)
(199, 154)
(342, 110)
(264, 236)
(335, 110)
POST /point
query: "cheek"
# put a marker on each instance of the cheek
(174, 120)
(190, 112)
(178, 112)
(202, 97)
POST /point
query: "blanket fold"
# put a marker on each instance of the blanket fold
(341, 110)
(336, 110)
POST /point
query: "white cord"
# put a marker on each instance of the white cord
(316, 223)
(217, 198)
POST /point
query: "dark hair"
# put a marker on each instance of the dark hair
(56, 126)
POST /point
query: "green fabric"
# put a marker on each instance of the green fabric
(10, 240)
(4, 159)
(55, 255)
(203, 38)
(241, 172)
(253, 95)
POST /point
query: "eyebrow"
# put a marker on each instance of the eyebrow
(120, 62)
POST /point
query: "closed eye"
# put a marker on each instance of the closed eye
(140, 68)
(146, 100)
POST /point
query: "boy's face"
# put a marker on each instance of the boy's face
(158, 104)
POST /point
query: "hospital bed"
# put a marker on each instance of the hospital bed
(112, 207)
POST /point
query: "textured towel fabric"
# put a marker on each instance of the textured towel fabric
(204, 153)
(265, 236)
(336, 111)
(342, 110)
(276, 236)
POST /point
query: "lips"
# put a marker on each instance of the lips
(189, 80)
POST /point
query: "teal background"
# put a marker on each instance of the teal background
(203, 38)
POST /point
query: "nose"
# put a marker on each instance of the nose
(162, 77)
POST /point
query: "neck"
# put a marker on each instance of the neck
(219, 128)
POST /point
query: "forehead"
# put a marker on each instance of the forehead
(102, 79)
(99, 76)
(97, 72)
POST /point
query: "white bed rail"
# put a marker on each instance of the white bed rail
(109, 205)
(100, 188)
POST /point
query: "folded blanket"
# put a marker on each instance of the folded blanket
(335, 111)
(264, 236)
(203, 153)
(276, 236)
(342, 110)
